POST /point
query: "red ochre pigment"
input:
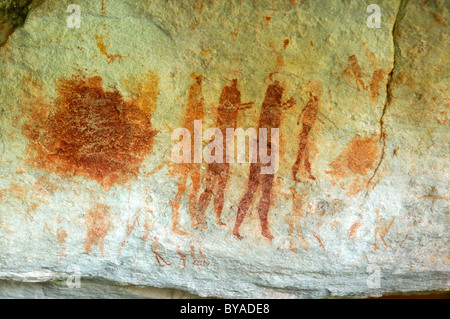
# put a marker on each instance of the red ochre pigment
(89, 132)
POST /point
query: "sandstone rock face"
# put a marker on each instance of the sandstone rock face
(357, 207)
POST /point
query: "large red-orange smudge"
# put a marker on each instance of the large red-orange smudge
(90, 132)
(217, 174)
(98, 224)
(309, 113)
(184, 171)
(351, 168)
(270, 117)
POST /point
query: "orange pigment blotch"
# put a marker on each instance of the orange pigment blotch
(377, 78)
(353, 230)
(98, 224)
(90, 132)
(351, 168)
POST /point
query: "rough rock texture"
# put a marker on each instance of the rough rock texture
(358, 206)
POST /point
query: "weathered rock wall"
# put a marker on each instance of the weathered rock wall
(358, 206)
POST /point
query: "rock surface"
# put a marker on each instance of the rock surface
(358, 206)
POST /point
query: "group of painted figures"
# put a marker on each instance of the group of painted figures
(217, 174)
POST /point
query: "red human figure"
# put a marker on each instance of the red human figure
(218, 173)
(158, 250)
(270, 117)
(184, 171)
(309, 113)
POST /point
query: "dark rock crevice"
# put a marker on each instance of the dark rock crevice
(398, 62)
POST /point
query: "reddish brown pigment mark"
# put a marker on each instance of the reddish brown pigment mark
(158, 250)
(270, 117)
(357, 159)
(309, 113)
(183, 257)
(353, 70)
(61, 236)
(293, 220)
(184, 171)
(356, 225)
(218, 173)
(98, 224)
(382, 228)
(439, 21)
(370, 56)
(102, 48)
(320, 243)
(91, 133)
(377, 78)
(203, 262)
(285, 43)
(267, 21)
(130, 228)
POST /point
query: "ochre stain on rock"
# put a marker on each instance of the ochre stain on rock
(352, 167)
(354, 72)
(217, 174)
(377, 78)
(91, 132)
(270, 117)
(184, 171)
(98, 224)
(102, 48)
(354, 229)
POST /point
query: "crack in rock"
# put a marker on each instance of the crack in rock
(397, 60)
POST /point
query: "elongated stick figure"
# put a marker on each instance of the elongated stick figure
(293, 220)
(270, 117)
(309, 113)
(354, 70)
(185, 171)
(218, 173)
(182, 258)
(158, 249)
(382, 228)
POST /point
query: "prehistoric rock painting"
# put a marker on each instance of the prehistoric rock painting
(353, 71)
(61, 236)
(90, 132)
(183, 256)
(33, 197)
(270, 117)
(382, 228)
(185, 171)
(130, 227)
(102, 48)
(203, 260)
(309, 113)
(351, 168)
(158, 250)
(293, 220)
(98, 224)
(218, 173)
(354, 229)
